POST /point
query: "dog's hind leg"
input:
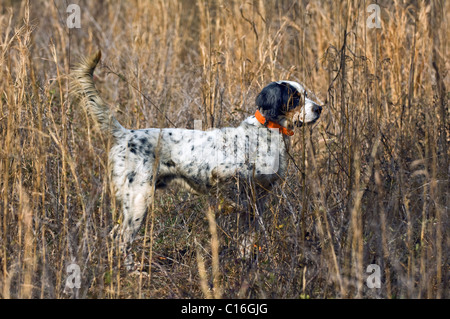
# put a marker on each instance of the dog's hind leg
(135, 206)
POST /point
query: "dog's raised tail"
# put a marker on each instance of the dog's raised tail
(82, 88)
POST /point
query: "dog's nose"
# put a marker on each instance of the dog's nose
(317, 108)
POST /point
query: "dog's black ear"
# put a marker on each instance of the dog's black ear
(270, 101)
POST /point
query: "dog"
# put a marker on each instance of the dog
(240, 163)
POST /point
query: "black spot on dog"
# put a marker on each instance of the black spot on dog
(148, 152)
(169, 163)
(143, 140)
(131, 176)
(132, 147)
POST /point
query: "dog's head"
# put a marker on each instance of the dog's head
(283, 102)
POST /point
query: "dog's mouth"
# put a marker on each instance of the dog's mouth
(300, 123)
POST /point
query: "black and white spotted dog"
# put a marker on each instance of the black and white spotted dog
(241, 163)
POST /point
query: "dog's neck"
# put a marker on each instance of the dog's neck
(272, 125)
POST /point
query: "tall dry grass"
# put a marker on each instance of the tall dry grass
(368, 185)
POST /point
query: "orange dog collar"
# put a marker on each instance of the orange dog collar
(269, 124)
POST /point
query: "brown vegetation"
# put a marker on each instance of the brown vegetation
(368, 185)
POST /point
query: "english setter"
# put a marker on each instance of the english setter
(241, 163)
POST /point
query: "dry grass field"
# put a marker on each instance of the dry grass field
(367, 185)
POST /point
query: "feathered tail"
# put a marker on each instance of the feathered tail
(82, 87)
